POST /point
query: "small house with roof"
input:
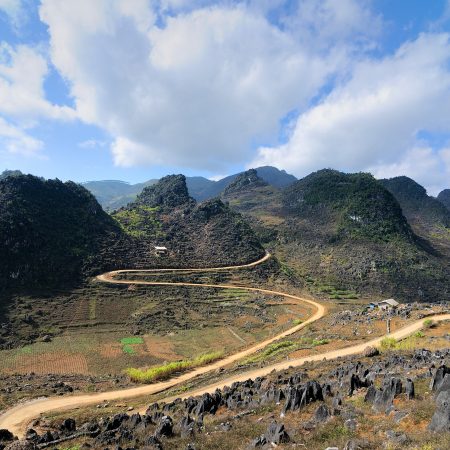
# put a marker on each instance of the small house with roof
(160, 251)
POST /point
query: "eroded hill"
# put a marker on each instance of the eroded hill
(195, 235)
(342, 233)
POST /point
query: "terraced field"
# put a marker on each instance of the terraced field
(101, 328)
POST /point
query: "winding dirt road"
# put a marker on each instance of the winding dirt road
(18, 417)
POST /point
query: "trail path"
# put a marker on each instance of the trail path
(18, 417)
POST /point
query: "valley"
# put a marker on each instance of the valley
(168, 298)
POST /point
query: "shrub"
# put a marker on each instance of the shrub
(166, 370)
(388, 343)
(428, 323)
(297, 321)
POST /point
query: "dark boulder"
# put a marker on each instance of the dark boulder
(31, 435)
(153, 443)
(322, 413)
(441, 417)
(438, 377)
(370, 394)
(165, 427)
(69, 426)
(186, 426)
(384, 398)
(276, 434)
(6, 436)
(371, 351)
(409, 389)
(259, 442)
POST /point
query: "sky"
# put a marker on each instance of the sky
(137, 89)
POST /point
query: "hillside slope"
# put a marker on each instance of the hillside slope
(52, 232)
(346, 232)
(428, 216)
(444, 198)
(196, 235)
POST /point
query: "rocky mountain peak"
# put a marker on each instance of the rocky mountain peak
(170, 191)
(243, 181)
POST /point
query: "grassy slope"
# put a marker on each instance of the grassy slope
(347, 231)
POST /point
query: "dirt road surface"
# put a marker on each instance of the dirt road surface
(18, 417)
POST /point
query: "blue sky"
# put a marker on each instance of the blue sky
(136, 89)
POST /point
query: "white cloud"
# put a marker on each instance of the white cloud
(92, 144)
(373, 120)
(197, 92)
(428, 167)
(22, 74)
(14, 10)
(15, 140)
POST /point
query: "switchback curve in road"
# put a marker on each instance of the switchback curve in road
(16, 419)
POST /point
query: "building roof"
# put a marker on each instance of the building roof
(160, 248)
(390, 301)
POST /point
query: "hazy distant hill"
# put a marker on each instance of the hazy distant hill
(113, 194)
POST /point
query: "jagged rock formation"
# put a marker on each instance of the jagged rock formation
(444, 198)
(55, 234)
(428, 217)
(196, 235)
(238, 406)
(359, 204)
(169, 192)
(248, 179)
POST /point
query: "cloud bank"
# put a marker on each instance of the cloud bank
(208, 84)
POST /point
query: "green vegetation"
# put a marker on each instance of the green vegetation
(297, 321)
(166, 370)
(131, 340)
(129, 343)
(48, 220)
(331, 432)
(428, 323)
(410, 343)
(140, 221)
(388, 343)
(363, 206)
(334, 293)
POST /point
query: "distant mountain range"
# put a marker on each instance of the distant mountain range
(113, 194)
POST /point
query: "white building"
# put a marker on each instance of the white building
(160, 251)
(390, 303)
